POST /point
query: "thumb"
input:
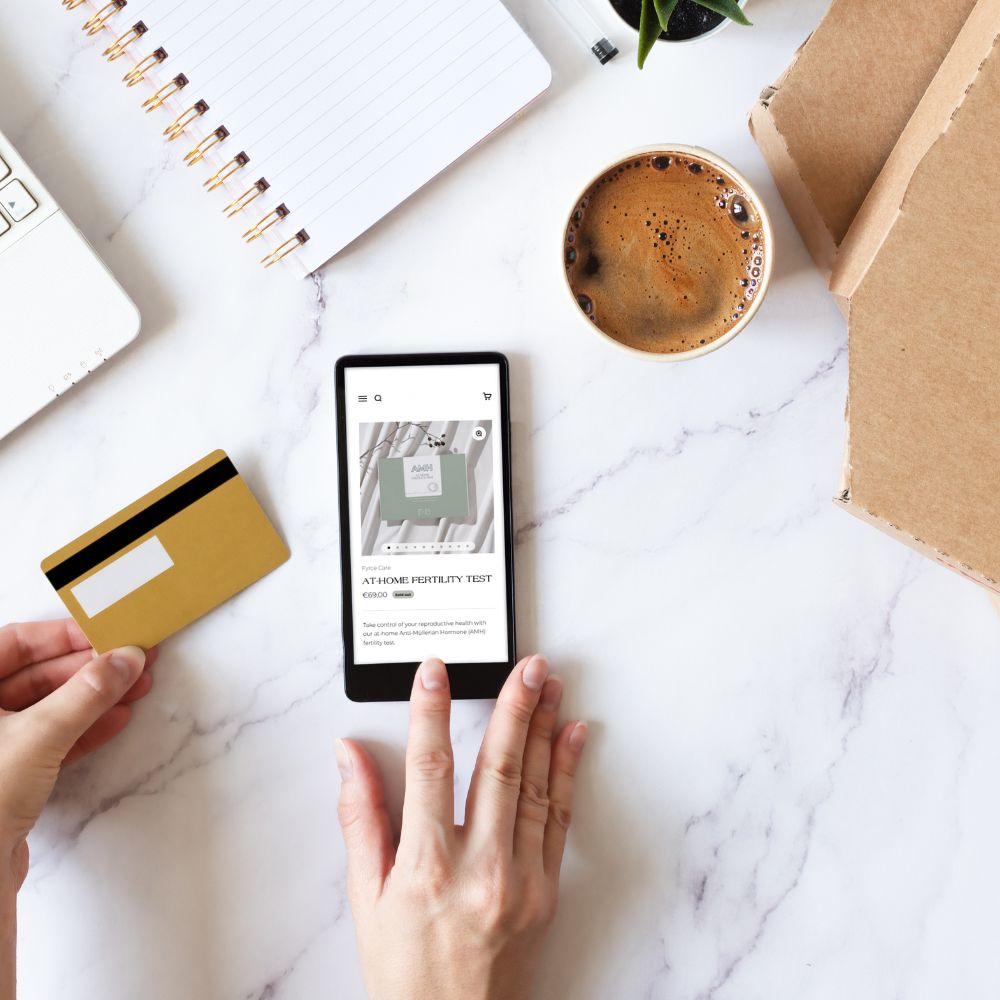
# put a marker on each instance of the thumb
(60, 719)
(363, 820)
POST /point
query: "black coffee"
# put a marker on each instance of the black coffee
(665, 252)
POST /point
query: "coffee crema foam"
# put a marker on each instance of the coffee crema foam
(665, 252)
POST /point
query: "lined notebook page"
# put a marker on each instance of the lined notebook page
(346, 107)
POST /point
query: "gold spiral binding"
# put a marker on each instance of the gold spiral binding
(117, 48)
(165, 92)
(96, 22)
(272, 217)
(193, 156)
(285, 249)
(138, 73)
(238, 162)
(251, 194)
(176, 128)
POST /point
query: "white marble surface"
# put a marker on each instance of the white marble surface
(791, 787)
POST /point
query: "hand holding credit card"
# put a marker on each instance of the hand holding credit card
(167, 559)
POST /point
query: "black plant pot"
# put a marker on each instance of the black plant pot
(689, 19)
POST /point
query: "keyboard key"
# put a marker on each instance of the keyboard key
(16, 202)
(4, 169)
(4, 224)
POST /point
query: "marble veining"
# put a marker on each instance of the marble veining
(789, 792)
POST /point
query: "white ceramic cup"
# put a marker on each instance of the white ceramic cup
(726, 168)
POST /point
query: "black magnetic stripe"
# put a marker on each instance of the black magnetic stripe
(139, 524)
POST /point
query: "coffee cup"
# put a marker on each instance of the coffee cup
(667, 253)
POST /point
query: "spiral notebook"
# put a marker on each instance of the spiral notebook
(316, 118)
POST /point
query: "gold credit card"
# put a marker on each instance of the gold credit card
(168, 558)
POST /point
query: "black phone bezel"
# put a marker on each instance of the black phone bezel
(393, 681)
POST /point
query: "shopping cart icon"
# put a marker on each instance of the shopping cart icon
(487, 396)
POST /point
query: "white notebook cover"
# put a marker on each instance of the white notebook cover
(344, 107)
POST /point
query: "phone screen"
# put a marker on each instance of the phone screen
(425, 447)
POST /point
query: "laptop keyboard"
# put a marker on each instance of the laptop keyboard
(53, 331)
(16, 202)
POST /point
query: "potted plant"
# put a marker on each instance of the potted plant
(677, 20)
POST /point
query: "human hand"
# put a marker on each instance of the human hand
(58, 702)
(460, 912)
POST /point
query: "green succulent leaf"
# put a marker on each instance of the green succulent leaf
(664, 8)
(649, 30)
(728, 8)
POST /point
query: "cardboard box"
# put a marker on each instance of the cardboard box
(827, 126)
(920, 274)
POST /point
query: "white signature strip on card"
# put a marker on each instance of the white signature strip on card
(122, 577)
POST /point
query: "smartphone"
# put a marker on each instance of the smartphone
(426, 546)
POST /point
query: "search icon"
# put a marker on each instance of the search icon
(378, 398)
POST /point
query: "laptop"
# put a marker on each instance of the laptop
(62, 314)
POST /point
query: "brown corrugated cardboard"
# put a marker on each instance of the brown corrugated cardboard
(921, 270)
(827, 126)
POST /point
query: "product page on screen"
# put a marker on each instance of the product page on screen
(426, 518)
